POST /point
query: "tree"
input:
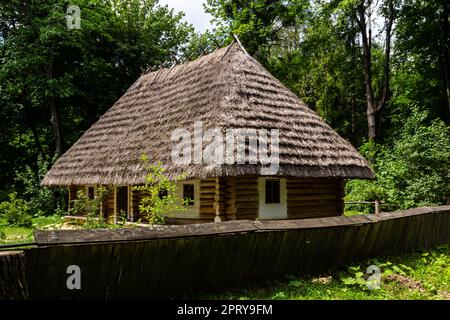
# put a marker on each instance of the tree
(363, 16)
(55, 82)
(160, 197)
(412, 171)
(421, 61)
(258, 23)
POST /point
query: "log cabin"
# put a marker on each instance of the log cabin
(225, 89)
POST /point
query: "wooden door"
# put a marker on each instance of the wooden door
(122, 200)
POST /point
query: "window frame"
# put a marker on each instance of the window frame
(193, 211)
(86, 190)
(272, 211)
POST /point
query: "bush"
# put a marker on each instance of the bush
(42, 201)
(155, 206)
(91, 208)
(411, 172)
(16, 211)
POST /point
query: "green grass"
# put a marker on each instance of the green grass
(422, 275)
(15, 234)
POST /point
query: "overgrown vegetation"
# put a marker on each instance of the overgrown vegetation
(16, 211)
(421, 275)
(160, 197)
(56, 82)
(90, 209)
(412, 170)
(35, 201)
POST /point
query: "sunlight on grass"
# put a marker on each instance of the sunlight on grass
(10, 234)
(422, 275)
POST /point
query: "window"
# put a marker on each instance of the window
(188, 193)
(162, 193)
(272, 191)
(91, 193)
(188, 189)
(272, 198)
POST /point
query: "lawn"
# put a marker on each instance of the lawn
(14, 234)
(421, 275)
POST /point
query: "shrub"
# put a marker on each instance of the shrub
(155, 206)
(91, 208)
(16, 211)
(413, 171)
(42, 201)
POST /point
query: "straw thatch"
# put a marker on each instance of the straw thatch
(225, 89)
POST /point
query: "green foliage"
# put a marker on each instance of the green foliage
(153, 205)
(90, 208)
(416, 170)
(258, 23)
(201, 44)
(16, 211)
(42, 201)
(421, 275)
(81, 72)
(413, 170)
(355, 277)
(358, 275)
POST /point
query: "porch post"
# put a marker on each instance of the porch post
(115, 205)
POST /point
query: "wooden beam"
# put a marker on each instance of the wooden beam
(115, 205)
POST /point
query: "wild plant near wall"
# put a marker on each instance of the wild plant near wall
(90, 208)
(160, 197)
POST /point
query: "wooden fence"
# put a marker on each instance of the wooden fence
(171, 260)
(13, 279)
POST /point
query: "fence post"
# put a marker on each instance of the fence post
(13, 277)
(377, 206)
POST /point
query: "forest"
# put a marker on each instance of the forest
(377, 71)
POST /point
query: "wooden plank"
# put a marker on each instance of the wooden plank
(13, 276)
(140, 233)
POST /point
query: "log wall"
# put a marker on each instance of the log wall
(314, 198)
(237, 198)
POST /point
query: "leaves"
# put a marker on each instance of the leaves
(85, 71)
(160, 193)
(16, 211)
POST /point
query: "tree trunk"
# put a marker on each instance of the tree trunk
(54, 119)
(367, 52)
(55, 126)
(387, 58)
(373, 108)
(444, 59)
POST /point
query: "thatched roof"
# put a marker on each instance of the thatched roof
(225, 89)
